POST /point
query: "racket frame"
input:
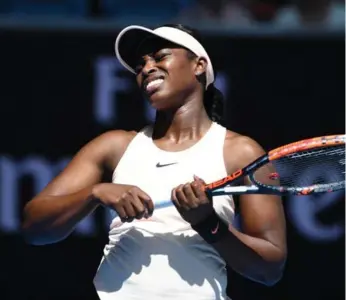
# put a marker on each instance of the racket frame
(224, 185)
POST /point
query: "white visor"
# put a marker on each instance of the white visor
(130, 38)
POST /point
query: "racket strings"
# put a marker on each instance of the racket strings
(306, 168)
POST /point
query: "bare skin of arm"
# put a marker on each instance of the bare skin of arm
(259, 251)
(53, 213)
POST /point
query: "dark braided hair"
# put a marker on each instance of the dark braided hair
(213, 98)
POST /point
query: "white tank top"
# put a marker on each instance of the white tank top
(162, 257)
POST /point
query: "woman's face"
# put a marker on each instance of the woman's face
(166, 74)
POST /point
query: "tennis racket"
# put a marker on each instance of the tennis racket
(298, 168)
(310, 166)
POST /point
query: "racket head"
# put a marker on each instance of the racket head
(314, 165)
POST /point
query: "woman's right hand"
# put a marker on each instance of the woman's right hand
(128, 201)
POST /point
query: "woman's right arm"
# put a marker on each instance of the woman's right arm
(52, 214)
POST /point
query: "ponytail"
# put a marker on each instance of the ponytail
(214, 104)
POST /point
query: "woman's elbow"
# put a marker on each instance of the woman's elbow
(275, 271)
(29, 235)
(273, 278)
(39, 238)
(37, 235)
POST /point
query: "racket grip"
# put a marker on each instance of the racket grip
(208, 191)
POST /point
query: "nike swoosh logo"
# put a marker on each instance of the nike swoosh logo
(159, 165)
(214, 231)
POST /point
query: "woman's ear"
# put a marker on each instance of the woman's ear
(201, 66)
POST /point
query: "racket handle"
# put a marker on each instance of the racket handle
(237, 190)
(208, 192)
(160, 205)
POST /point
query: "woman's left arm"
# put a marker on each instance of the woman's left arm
(258, 252)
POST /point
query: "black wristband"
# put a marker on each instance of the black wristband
(212, 229)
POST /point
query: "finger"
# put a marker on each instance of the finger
(181, 198)
(136, 202)
(199, 192)
(129, 208)
(139, 207)
(143, 195)
(174, 198)
(121, 213)
(192, 200)
(196, 178)
(146, 201)
(141, 215)
(149, 206)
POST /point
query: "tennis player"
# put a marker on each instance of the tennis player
(180, 251)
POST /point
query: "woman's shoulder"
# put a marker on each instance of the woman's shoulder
(113, 144)
(116, 137)
(237, 140)
(241, 149)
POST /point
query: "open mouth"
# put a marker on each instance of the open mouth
(153, 85)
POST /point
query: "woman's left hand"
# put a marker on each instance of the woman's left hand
(192, 202)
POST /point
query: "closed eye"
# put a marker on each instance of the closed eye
(141, 63)
(161, 56)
